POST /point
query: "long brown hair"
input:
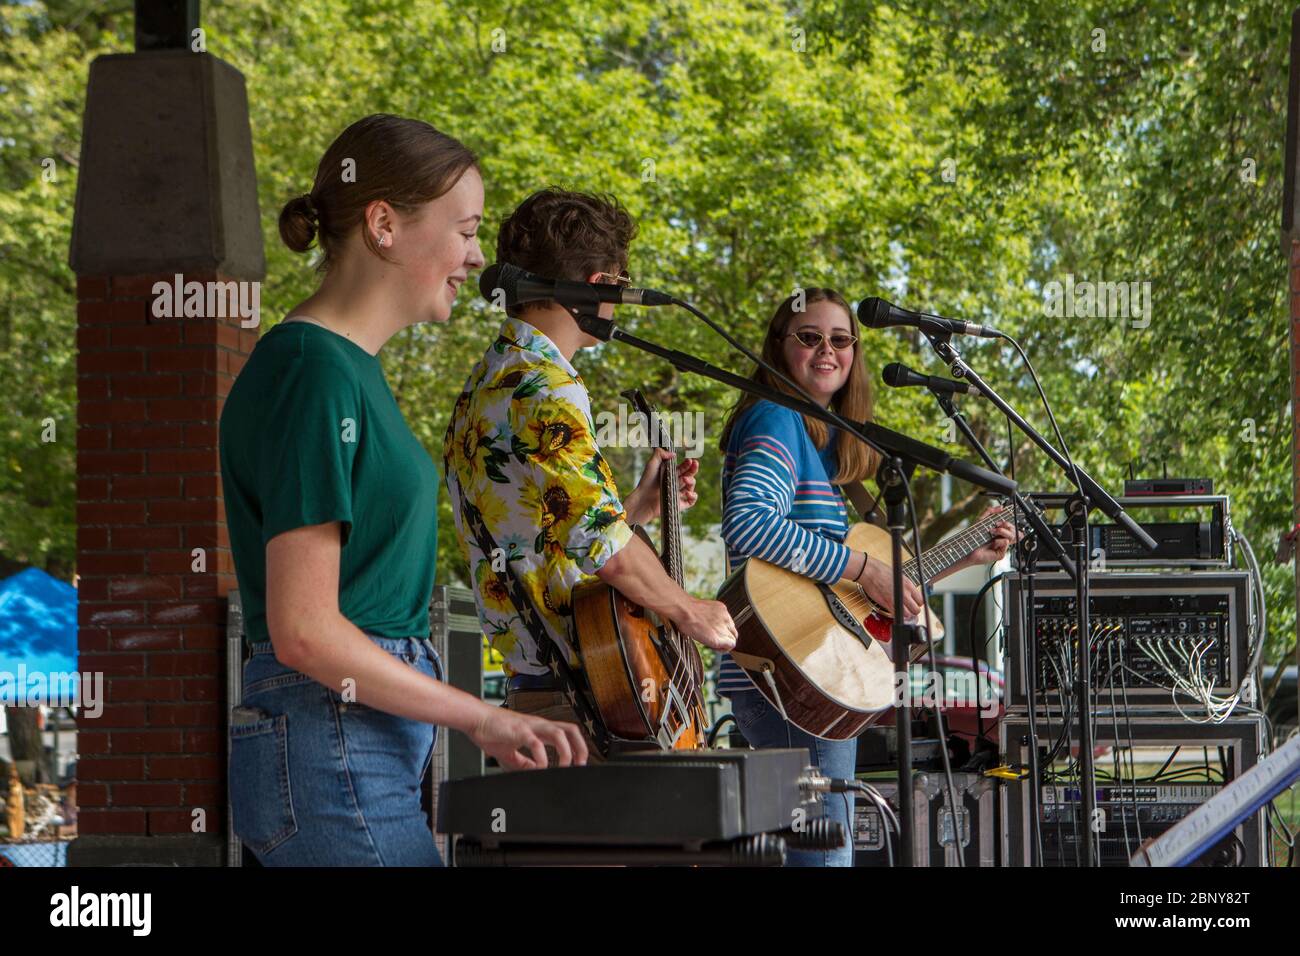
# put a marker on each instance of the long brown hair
(853, 401)
(404, 161)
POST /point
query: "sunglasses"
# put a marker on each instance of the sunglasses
(622, 278)
(810, 339)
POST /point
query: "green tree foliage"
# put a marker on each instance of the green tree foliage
(952, 156)
(1151, 136)
(42, 73)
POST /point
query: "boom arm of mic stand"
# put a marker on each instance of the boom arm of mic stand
(1030, 512)
(1091, 491)
(888, 442)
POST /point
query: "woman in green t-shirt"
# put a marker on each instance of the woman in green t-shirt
(332, 508)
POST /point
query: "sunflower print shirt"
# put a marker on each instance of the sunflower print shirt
(521, 448)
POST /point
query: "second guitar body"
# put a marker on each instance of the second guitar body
(645, 687)
(647, 679)
(822, 653)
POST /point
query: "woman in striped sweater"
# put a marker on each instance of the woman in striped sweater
(781, 501)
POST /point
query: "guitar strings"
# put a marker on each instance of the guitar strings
(857, 600)
(932, 560)
(687, 673)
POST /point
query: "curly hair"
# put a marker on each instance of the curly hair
(561, 234)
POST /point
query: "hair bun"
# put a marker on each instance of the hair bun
(298, 222)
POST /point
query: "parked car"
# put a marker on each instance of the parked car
(962, 714)
(957, 687)
(494, 686)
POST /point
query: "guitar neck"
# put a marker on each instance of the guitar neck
(670, 518)
(954, 548)
(670, 515)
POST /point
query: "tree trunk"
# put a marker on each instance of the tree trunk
(25, 744)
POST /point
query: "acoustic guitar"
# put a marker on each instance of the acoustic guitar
(646, 678)
(821, 653)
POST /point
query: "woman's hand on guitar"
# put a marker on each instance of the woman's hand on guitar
(642, 504)
(878, 581)
(1004, 536)
(708, 622)
(519, 741)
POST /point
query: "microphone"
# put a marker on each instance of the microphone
(519, 286)
(876, 313)
(898, 375)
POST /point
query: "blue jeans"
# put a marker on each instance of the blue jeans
(319, 781)
(765, 729)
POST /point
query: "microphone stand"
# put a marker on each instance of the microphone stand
(1089, 494)
(899, 456)
(889, 443)
(1026, 563)
(892, 476)
(1032, 514)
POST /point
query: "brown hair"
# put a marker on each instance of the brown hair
(561, 234)
(853, 401)
(403, 161)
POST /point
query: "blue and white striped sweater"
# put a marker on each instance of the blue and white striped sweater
(778, 504)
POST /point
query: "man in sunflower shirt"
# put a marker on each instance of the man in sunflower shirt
(520, 447)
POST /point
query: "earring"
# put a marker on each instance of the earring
(383, 241)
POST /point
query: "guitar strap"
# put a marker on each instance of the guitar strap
(864, 502)
(547, 652)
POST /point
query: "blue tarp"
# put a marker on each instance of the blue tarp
(38, 631)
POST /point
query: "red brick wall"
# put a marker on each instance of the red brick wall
(149, 397)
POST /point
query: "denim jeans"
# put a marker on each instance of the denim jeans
(765, 728)
(319, 781)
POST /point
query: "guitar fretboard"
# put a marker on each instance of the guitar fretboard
(952, 549)
(670, 518)
(670, 511)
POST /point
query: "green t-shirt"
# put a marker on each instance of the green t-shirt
(311, 433)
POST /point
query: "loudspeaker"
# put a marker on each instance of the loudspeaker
(458, 637)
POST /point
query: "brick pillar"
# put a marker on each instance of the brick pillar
(166, 186)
